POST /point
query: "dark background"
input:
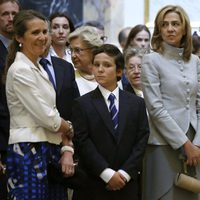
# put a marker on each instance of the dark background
(73, 8)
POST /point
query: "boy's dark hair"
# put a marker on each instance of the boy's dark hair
(112, 51)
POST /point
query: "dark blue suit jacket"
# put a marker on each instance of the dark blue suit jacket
(66, 87)
(4, 113)
(99, 148)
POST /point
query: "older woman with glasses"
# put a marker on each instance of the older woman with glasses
(133, 60)
(82, 43)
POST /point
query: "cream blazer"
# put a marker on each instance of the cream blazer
(172, 96)
(31, 102)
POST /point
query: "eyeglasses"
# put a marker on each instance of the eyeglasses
(77, 50)
(134, 67)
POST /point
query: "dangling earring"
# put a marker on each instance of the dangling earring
(20, 45)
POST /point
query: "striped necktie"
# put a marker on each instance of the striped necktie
(113, 110)
(44, 62)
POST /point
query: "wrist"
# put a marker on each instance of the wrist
(70, 131)
(67, 148)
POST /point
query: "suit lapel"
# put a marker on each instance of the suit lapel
(3, 49)
(59, 76)
(123, 110)
(102, 109)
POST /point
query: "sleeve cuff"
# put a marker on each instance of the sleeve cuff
(107, 174)
(126, 175)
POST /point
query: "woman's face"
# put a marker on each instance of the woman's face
(59, 31)
(172, 30)
(81, 55)
(133, 71)
(141, 40)
(35, 39)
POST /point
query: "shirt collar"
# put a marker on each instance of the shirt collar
(5, 40)
(48, 57)
(106, 92)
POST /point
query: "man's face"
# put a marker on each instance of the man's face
(7, 12)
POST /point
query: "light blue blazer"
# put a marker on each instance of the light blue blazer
(172, 96)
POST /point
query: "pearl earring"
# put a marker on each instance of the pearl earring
(20, 45)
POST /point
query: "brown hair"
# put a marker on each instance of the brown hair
(186, 42)
(196, 44)
(134, 31)
(20, 27)
(61, 14)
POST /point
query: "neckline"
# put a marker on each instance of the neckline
(87, 76)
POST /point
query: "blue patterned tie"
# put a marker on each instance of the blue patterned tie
(44, 62)
(113, 110)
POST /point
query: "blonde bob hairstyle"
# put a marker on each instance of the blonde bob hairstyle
(186, 41)
(88, 35)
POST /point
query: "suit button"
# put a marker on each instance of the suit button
(188, 99)
(187, 107)
(188, 90)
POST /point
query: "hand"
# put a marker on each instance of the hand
(2, 168)
(67, 164)
(70, 132)
(66, 129)
(117, 182)
(192, 152)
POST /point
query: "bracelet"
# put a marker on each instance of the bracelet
(67, 148)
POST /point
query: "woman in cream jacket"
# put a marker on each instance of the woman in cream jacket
(36, 128)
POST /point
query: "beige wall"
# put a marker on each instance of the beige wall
(114, 14)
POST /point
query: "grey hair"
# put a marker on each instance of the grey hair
(134, 51)
(88, 34)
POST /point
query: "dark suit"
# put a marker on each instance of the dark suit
(99, 148)
(66, 87)
(129, 88)
(4, 114)
(4, 120)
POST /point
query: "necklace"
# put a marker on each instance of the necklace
(87, 76)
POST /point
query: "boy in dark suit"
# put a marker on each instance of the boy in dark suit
(111, 132)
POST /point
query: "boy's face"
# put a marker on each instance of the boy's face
(105, 71)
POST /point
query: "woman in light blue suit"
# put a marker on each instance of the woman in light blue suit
(170, 81)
